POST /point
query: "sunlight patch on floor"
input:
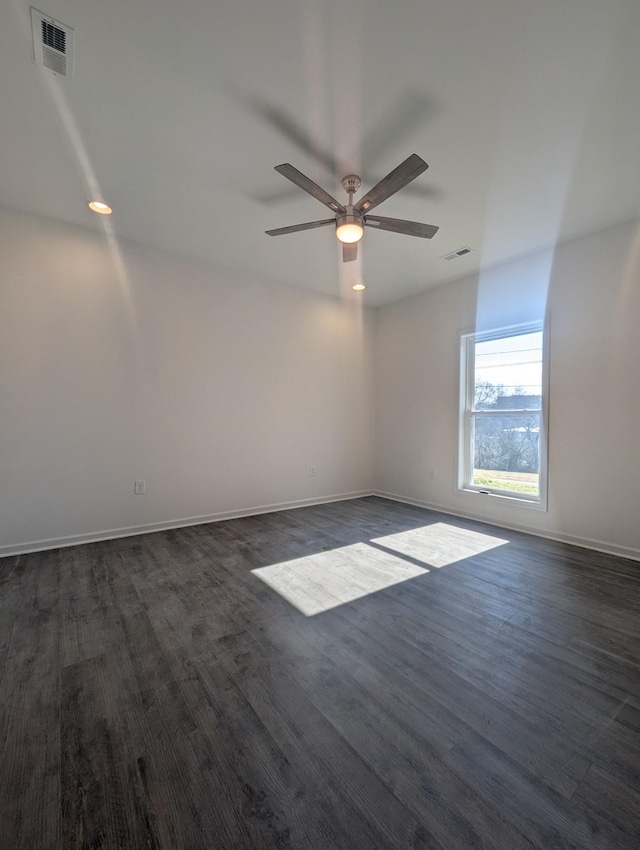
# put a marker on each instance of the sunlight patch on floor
(439, 545)
(325, 580)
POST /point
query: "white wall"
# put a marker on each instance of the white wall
(218, 390)
(591, 288)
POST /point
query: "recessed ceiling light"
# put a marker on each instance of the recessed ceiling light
(99, 207)
(358, 287)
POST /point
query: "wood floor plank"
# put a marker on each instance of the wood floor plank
(447, 693)
(530, 741)
(611, 809)
(404, 762)
(101, 804)
(507, 668)
(30, 798)
(547, 818)
(351, 794)
(272, 795)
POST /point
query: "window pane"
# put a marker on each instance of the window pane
(508, 372)
(505, 451)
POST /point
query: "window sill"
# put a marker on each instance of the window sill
(503, 497)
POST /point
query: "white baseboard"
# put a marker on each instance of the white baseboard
(583, 542)
(131, 531)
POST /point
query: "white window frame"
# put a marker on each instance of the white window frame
(468, 340)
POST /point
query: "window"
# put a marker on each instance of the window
(502, 413)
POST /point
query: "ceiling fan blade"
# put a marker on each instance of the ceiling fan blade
(309, 186)
(400, 225)
(294, 228)
(395, 180)
(288, 127)
(429, 192)
(409, 112)
(349, 252)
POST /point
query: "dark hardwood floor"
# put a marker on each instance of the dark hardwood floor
(455, 686)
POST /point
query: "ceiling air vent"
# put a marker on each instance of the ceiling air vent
(459, 253)
(52, 44)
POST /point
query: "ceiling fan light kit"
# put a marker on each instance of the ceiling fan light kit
(350, 224)
(350, 219)
(349, 228)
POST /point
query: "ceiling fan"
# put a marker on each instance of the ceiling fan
(351, 219)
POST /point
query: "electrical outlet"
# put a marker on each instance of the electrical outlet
(138, 488)
(312, 471)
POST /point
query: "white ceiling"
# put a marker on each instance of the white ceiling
(527, 113)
